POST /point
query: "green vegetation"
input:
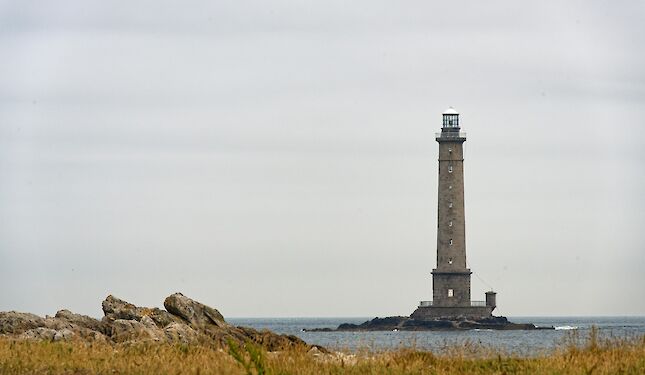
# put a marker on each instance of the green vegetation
(576, 355)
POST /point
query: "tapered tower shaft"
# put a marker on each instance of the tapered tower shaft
(451, 278)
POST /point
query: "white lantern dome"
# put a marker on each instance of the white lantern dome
(450, 111)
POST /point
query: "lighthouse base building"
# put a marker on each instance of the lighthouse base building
(451, 277)
(473, 309)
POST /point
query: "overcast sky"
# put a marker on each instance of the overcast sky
(273, 159)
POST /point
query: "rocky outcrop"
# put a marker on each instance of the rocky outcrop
(64, 326)
(40, 333)
(184, 320)
(195, 313)
(179, 332)
(69, 325)
(404, 323)
(115, 308)
(13, 322)
(78, 320)
(270, 340)
(123, 330)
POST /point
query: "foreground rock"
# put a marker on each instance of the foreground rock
(195, 313)
(13, 322)
(404, 323)
(184, 320)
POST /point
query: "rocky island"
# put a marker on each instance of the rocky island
(405, 323)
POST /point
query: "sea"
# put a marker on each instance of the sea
(525, 343)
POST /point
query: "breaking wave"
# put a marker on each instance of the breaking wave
(565, 328)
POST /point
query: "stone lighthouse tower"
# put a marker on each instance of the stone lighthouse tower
(451, 277)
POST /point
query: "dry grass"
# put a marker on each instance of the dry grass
(575, 356)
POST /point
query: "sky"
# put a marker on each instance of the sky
(277, 158)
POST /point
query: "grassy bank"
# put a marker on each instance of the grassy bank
(574, 356)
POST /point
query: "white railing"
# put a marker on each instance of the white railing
(472, 304)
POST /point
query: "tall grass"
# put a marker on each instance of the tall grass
(575, 355)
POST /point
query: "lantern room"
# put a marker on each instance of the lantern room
(451, 119)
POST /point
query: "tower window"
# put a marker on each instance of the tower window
(451, 292)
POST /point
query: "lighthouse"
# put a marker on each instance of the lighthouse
(451, 276)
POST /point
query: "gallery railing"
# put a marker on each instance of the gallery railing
(450, 135)
(472, 304)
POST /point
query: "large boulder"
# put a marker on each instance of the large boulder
(83, 321)
(86, 328)
(134, 330)
(48, 334)
(198, 315)
(180, 332)
(13, 322)
(64, 335)
(115, 308)
(40, 333)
